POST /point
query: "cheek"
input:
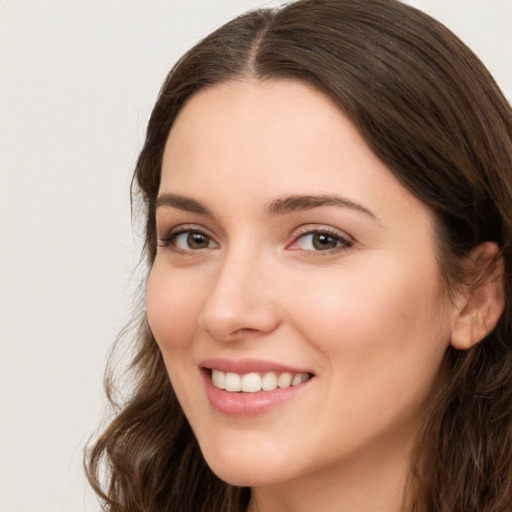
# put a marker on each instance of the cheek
(386, 310)
(382, 344)
(173, 304)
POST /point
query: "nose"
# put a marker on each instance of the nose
(240, 304)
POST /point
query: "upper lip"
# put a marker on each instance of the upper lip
(243, 366)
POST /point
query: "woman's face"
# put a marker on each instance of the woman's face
(289, 252)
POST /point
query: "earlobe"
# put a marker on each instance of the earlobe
(484, 300)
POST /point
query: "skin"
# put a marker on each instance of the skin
(370, 318)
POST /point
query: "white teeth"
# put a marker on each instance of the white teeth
(251, 383)
(269, 381)
(297, 379)
(232, 382)
(218, 379)
(285, 380)
(254, 382)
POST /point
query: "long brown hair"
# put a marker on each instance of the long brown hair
(433, 114)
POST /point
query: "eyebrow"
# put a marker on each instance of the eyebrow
(297, 203)
(182, 203)
(279, 206)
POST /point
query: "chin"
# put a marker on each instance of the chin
(247, 470)
(237, 479)
(247, 477)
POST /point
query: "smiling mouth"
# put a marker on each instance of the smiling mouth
(255, 382)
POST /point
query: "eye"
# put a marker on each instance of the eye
(320, 241)
(188, 240)
(192, 240)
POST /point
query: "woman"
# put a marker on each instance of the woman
(328, 192)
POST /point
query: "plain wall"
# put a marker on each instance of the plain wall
(77, 82)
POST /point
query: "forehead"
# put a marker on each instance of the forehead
(271, 112)
(268, 138)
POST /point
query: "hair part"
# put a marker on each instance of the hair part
(432, 113)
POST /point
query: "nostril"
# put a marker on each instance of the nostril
(232, 312)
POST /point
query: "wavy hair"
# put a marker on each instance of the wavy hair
(429, 109)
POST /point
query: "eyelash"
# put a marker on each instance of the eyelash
(342, 242)
(173, 234)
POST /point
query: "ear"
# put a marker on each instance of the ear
(483, 301)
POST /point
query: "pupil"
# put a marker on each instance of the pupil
(323, 242)
(197, 241)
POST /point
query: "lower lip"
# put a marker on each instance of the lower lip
(248, 404)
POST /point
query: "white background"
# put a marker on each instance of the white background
(77, 82)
